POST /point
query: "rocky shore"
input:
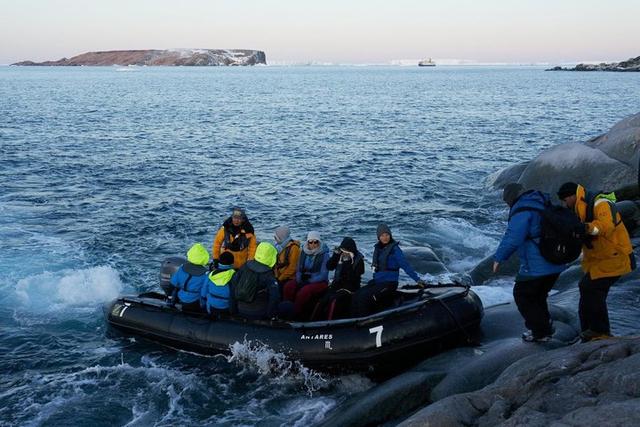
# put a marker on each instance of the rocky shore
(153, 57)
(504, 381)
(631, 64)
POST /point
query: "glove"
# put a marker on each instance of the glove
(305, 277)
(214, 264)
(580, 231)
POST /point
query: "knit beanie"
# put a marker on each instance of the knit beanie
(282, 233)
(567, 189)
(383, 228)
(511, 193)
(225, 261)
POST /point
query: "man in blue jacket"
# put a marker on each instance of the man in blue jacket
(536, 276)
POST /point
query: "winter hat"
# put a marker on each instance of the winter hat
(314, 235)
(198, 255)
(225, 261)
(511, 193)
(383, 228)
(349, 245)
(238, 213)
(567, 189)
(282, 233)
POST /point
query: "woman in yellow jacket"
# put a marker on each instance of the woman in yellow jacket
(607, 255)
(235, 236)
(288, 255)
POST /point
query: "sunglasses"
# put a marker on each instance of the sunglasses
(313, 242)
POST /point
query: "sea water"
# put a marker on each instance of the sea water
(105, 173)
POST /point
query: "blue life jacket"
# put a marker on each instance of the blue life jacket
(387, 262)
(215, 293)
(189, 286)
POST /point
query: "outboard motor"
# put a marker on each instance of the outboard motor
(168, 267)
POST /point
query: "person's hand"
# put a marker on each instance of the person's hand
(214, 263)
(337, 250)
(496, 266)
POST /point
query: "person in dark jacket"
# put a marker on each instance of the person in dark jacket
(253, 289)
(189, 279)
(388, 259)
(348, 264)
(536, 276)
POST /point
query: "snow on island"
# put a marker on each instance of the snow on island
(170, 57)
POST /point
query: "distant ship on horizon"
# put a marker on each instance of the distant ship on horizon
(426, 63)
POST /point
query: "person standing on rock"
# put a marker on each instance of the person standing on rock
(536, 276)
(607, 255)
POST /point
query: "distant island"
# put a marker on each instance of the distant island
(631, 64)
(171, 57)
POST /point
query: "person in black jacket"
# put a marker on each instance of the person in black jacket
(348, 264)
(253, 290)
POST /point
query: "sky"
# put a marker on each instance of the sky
(329, 31)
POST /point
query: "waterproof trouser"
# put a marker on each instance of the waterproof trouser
(592, 307)
(373, 298)
(531, 299)
(304, 297)
(335, 304)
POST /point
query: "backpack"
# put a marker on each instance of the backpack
(557, 243)
(246, 285)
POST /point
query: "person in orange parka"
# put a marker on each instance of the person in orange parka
(288, 255)
(236, 236)
(607, 255)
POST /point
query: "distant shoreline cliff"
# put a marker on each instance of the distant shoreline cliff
(631, 64)
(151, 57)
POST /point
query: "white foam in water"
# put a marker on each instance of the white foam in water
(500, 292)
(460, 231)
(259, 356)
(53, 290)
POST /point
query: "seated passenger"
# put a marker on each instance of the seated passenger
(215, 293)
(236, 236)
(288, 255)
(388, 259)
(311, 277)
(189, 279)
(253, 288)
(348, 263)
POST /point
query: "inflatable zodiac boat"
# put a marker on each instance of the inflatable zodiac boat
(422, 322)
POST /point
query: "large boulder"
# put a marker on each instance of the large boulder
(608, 162)
(597, 383)
(458, 370)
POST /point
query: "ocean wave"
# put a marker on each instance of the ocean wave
(53, 291)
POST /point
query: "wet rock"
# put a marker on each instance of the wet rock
(455, 371)
(607, 162)
(631, 64)
(424, 260)
(484, 270)
(597, 383)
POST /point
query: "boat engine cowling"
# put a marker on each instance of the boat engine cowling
(169, 266)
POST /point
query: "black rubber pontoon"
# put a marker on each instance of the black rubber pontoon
(423, 323)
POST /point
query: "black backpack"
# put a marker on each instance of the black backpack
(557, 243)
